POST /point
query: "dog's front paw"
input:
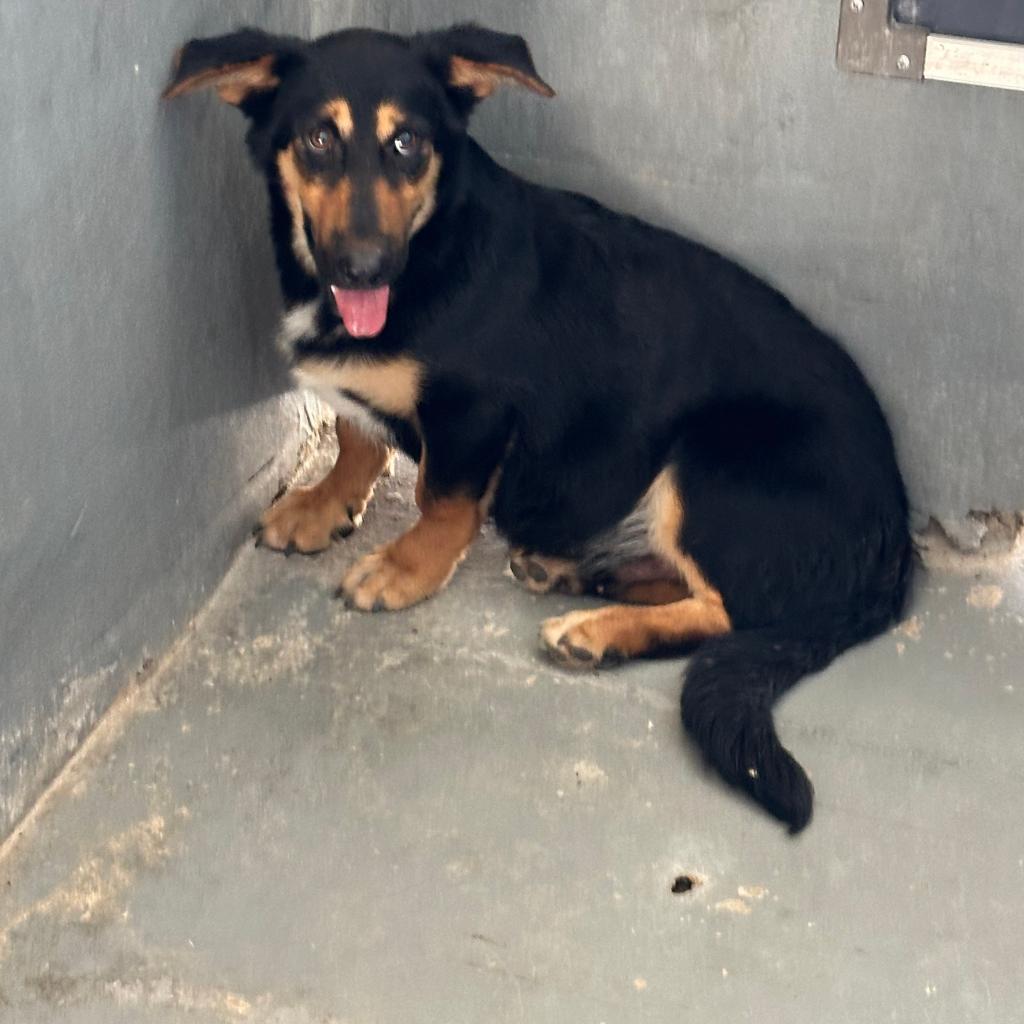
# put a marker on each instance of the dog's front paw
(307, 519)
(579, 640)
(380, 582)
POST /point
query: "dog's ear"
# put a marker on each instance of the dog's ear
(473, 61)
(244, 67)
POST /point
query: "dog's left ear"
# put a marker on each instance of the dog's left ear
(473, 61)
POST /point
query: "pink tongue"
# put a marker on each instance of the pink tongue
(363, 311)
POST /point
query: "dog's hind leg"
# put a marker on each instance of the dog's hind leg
(644, 591)
(307, 519)
(676, 606)
(585, 639)
(623, 563)
(544, 574)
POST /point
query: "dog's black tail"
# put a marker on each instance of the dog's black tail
(733, 680)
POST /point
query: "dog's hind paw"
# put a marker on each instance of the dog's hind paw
(544, 574)
(579, 640)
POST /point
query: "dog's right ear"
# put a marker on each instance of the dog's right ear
(244, 67)
(473, 61)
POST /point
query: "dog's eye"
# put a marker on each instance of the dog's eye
(320, 139)
(407, 143)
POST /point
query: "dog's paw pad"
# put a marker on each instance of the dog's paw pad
(537, 572)
(544, 575)
(574, 653)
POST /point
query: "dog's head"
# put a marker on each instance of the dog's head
(355, 129)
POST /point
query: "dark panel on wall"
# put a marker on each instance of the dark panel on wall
(1001, 20)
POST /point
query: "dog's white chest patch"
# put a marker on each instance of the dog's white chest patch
(300, 324)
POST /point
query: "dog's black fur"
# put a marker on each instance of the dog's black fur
(583, 351)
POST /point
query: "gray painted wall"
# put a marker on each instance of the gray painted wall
(142, 423)
(141, 414)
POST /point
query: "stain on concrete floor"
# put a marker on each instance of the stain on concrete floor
(312, 815)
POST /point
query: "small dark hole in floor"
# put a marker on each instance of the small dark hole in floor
(684, 883)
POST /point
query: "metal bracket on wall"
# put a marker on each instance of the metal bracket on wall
(872, 42)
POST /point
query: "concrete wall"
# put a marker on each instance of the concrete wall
(140, 408)
(141, 412)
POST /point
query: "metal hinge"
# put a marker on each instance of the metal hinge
(871, 42)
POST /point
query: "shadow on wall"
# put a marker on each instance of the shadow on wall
(225, 261)
(140, 396)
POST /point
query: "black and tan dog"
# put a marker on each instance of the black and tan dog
(642, 418)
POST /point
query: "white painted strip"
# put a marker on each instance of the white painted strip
(974, 62)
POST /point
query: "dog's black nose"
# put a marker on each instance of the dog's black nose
(363, 264)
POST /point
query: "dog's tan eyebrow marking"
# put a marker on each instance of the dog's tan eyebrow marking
(389, 117)
(340, 113)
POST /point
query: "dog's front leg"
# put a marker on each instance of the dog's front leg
(422, 560)
(464, 440)
(307, 519)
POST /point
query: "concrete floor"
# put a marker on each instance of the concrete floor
(313, 815)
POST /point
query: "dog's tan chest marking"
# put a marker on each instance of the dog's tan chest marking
(391, 386)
